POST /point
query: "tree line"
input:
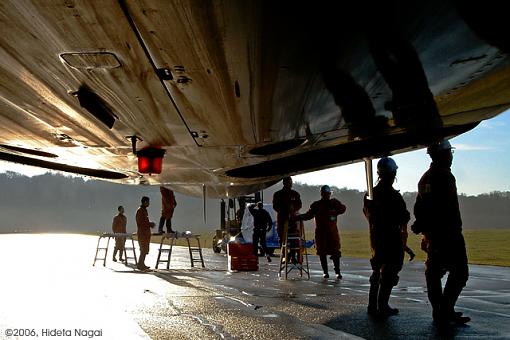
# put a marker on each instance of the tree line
(58, 203)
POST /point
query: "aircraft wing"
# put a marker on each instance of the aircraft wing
(238, 94)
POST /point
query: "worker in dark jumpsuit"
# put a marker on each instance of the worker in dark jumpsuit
(327, 239)
(262, 223)
(438, 220)
(286, 203)
(387, 218)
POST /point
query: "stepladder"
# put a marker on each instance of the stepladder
(102, 248)
(165, 253)
(293, 252)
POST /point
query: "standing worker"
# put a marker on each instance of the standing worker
(119, 227)
(387, 218)
(262, 223)
(168, 204)
(143, 232)
(286, 203)
(327, 239)
(438, 219)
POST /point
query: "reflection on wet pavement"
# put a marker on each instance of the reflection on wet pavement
(51, 283)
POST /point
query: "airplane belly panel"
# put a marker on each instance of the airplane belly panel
(214, 63)
(132, 90)
(238, 94)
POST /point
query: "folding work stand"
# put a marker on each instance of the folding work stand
(108, 236)
(193, 251)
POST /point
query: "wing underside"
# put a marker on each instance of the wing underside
(237, 93)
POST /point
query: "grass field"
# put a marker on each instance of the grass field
(489, 247)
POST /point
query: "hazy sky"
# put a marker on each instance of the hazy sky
(481, 163)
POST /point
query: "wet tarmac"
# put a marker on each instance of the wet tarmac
(49, 286)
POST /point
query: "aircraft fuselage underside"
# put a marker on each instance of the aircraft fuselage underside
(241, 93)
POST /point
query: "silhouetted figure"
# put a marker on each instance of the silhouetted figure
(286, 203)
(168, 204)
(355, 104)
(119, 226)
(327, 239)
(143, 232)
(387, 218)
(412, 104)
(262, 223)
(438, 219)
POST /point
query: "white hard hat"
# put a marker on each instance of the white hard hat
(386, 165)
(439, 146)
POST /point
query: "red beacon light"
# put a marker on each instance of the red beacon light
(150, 160)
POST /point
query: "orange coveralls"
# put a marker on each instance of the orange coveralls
(143, 229)
(119, 226)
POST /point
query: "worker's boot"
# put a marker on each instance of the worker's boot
(121, 253)
(170, 230)
(383, 297)
(324, 265)
(114, 259)
(411, 255)
(435, 295)
(450, 295)
(372, 297)
(141, 263)
(336, 264)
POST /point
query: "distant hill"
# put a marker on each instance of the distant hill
(53, 202)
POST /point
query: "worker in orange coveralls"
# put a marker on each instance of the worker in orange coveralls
(327, 239)
(168, 204)
(144, 232)
(119, 227)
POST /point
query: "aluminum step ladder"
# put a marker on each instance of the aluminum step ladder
(102, 250)
(132, 250)
(294, 243)
(195, 252)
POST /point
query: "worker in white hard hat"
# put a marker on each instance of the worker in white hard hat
(387, 217)
(438, 220)
(327, 239)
